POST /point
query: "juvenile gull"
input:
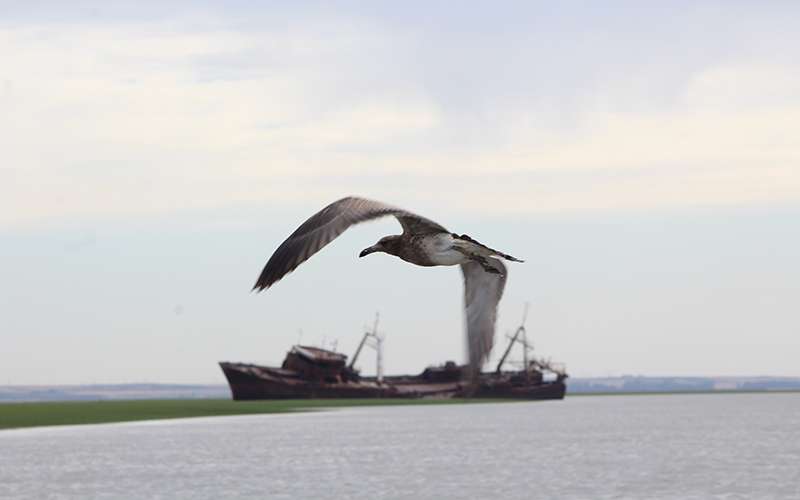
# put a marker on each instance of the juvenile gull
(424, 243)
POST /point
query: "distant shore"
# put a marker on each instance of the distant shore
(683, 393)
(626, 384)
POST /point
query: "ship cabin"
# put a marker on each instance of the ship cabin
(315, 364)
(448, 372)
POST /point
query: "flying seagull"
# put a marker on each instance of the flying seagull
(423, 242)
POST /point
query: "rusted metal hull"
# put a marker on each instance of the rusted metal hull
(252, 382)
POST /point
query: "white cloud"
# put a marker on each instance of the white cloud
(139, 119)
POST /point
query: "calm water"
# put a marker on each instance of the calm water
(644, 447)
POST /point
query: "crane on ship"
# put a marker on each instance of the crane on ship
(373, 339)
(530, 363)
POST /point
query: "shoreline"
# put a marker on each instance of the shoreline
(19, 415)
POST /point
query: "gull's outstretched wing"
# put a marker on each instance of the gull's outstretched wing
(324, 226)
(482, 293)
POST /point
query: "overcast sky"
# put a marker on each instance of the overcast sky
(643, 159)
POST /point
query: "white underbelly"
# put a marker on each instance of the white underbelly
(441, 252)
(448, 258)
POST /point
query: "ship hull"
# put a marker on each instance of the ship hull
(255, 382)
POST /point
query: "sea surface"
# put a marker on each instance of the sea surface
(715, 446)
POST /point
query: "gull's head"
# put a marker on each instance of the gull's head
(387, 244)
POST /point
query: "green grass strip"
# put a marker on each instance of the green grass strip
(17, 415)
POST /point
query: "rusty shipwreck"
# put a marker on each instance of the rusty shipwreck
(313, 372)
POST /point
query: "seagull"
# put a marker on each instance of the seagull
(424, 243)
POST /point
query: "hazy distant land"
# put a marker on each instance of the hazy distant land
(633, 383)
(622, 385)
(95, 392)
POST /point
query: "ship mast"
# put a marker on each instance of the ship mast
(525, 338)
(521, 330)
(374, 340)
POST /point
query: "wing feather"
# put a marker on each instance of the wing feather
(482, 293)
(327, 224)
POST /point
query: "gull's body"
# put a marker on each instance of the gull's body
(437, 249)
(423, 242)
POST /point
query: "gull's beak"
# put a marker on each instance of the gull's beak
(369, 250)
